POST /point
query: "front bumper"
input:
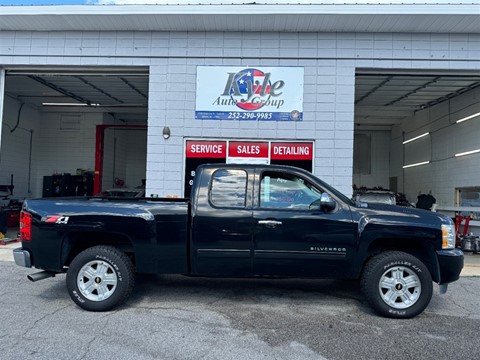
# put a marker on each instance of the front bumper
(22, 257)
(450, 263)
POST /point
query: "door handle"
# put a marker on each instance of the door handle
(269, 223)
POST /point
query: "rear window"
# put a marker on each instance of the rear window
(229, 188)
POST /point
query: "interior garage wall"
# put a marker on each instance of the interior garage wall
(15, 146)
(130, 158)
(447, 138)
(64, 150)
(378, 162)
(136, 157)
(129, 161)
(114, 157)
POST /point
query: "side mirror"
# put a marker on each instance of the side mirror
(327, 202)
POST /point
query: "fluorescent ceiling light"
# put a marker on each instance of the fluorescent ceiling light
(68, 104)
(468, 117)
(417, 164)
(415, 138)
(467, 153)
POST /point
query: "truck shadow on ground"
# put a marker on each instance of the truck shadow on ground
(177, 288)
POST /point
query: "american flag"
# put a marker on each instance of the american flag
(256, 78)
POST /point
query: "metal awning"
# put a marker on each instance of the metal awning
(299, 16)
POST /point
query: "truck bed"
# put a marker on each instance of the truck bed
(154, 230)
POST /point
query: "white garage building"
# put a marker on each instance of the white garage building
(147, 91)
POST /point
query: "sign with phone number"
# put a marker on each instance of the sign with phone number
(231, 115)
(249, 93)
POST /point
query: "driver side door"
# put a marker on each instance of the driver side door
(293, 236)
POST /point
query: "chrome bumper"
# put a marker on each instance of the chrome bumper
(22, 257)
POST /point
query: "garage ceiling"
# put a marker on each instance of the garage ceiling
(384, 100)
(122, 93)
(381, 100)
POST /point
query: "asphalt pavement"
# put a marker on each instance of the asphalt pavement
(176, 317)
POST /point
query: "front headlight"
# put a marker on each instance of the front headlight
(448, 236)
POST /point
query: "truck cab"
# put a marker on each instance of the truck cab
(269, 221)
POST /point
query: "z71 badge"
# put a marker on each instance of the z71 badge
(56, 219)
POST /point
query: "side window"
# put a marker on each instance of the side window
(287, 191)
(229, 188)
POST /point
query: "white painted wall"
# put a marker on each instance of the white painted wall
(445, 172)
(380, 161)
(329, 60)
(328, 100)
(136, 157)
(130, 158)
(63, 151)
(114, 157)
(15, 146)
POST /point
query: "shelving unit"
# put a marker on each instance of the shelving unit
(452, 211)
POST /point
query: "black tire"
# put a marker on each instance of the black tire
(406, 288)
(100, 278)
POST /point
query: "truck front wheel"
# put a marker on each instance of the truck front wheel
(397, 284)
(100, 278)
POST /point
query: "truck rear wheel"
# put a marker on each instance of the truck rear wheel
(397, 284)
(100, 278)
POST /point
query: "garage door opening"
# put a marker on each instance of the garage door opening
(50, 117)
(409, 131)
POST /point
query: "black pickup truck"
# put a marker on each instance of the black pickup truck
(241, 221)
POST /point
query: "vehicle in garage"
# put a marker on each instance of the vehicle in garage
(242, 221)
(376, 197)
(123, 193)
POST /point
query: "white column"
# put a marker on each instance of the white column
(2, 99)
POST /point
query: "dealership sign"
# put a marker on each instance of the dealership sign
(247, 93)
(197, 152)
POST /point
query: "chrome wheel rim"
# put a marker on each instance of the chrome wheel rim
(400, 287)
(97, 280)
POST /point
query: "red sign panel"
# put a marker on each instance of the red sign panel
(206, 149)
(291, 151)
(299, 154)
(244, 149)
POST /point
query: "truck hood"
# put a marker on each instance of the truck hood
(393, 215)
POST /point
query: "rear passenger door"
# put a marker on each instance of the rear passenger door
(223, 224)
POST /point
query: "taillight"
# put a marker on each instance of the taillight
(25, 226)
